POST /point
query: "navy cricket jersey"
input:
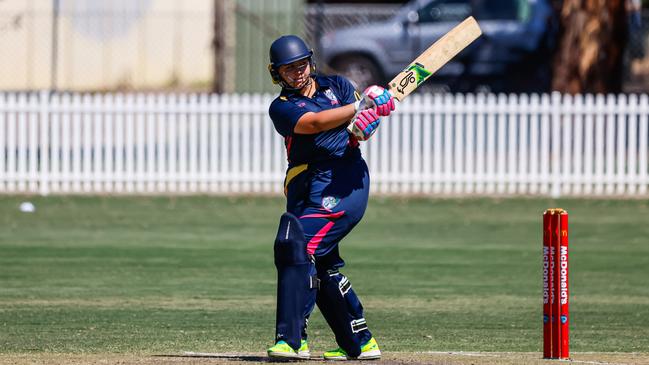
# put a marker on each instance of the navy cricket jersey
(288, 107)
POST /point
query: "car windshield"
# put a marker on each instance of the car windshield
(457, 10)
(501, 9)
(444, 11)
(402, 13)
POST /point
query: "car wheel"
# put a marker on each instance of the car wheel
(359, 70)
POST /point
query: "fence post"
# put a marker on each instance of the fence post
(555, 138)
(3, 149)
(44, 118)
(643, 144)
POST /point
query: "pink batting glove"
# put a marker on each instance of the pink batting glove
(382, 98)
(365, 124)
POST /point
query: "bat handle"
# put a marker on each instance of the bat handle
(352, 131)
(395, 96)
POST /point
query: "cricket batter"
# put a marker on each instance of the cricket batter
(326, 186)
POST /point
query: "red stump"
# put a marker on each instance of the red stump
(555, 285)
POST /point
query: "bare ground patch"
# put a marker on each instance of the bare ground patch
(395, 358)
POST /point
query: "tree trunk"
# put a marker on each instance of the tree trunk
(218, 43)
(592, 40)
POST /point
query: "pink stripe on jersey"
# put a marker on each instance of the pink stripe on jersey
(315, 241)
(324, 215)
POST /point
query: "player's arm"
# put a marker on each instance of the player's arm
(311, 123)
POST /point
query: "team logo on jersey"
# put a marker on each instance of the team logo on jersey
(329, 202)
(330, 94)
(301, 104)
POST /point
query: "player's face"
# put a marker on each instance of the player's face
(296, 74)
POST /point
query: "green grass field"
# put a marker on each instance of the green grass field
(158, 275)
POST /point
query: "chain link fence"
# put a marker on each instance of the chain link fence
(320, 19)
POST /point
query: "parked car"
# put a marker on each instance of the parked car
(513, 54)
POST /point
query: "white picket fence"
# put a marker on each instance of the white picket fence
(222, 144)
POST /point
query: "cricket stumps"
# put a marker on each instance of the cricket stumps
(556, 318)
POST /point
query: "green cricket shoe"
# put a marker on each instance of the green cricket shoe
(303, 352)
(282, 350)
(369, 351)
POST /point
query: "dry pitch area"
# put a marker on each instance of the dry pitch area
(441, 358)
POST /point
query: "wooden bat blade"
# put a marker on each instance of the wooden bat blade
(436, 56)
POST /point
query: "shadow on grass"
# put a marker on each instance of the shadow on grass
(235, 357)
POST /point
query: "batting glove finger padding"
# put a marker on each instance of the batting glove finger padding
(382, 98)
(365, 124)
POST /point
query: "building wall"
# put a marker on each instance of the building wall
(117, 44)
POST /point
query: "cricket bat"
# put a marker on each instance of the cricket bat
(432, 59)
(436, 56)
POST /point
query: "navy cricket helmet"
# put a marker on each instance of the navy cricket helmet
(287, 49)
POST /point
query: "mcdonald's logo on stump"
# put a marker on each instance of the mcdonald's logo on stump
(556, 316)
